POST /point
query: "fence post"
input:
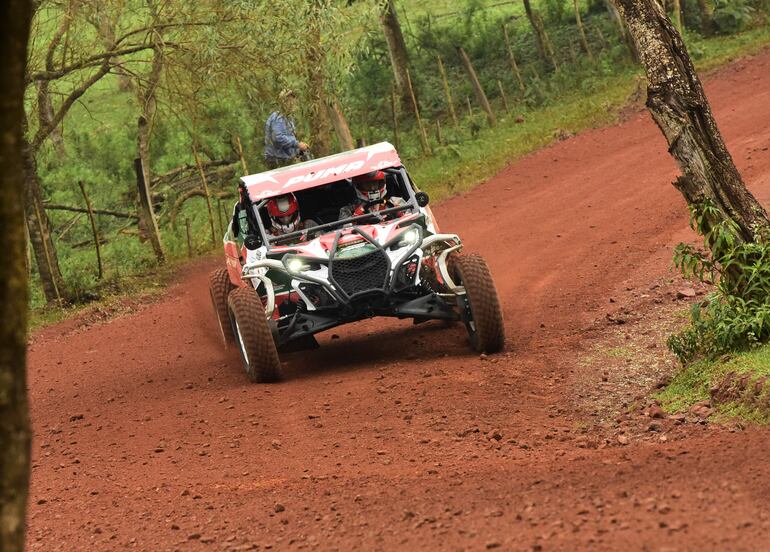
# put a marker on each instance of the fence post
(189, 238)
(394, 115)
(502, 94)
(423, 134)
(147, 215)
(93, 229)
(205, 184)
(480, 95)
(512, 59)
(447, 91)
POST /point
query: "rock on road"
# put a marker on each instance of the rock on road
(149, 437)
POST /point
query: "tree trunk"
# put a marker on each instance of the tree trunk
(676, 14)
(544, 47)
(481, 97)
(146, 91)
(320, 125)
(39, 227)
(14, 417)
(681, 110)
(341, 127)
(706, 23)
(45, 116)
(618, 20)
(583, 37)
(399, 56)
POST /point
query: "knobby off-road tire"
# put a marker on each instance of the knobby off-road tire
(220, 288)
(483, 317)
(253, 336)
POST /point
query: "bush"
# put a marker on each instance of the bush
(736, 316)
(732, 16)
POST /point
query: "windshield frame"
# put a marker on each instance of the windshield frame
(271, 241)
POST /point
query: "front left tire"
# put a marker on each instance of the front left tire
(253, 336)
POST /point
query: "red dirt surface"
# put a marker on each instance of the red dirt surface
(148, 435)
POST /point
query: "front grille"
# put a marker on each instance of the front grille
(358, 274)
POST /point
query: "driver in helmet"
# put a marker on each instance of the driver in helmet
(371, 196)
(285, 217)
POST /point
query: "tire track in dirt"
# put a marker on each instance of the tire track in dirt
(148, 436)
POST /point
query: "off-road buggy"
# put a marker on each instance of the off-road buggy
(279, 290)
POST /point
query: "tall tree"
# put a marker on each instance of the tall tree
(65, 69)
(678, 104)
(15, 18)
(320, 124)
(399, 55)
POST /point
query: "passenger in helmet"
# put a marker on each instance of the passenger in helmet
(285, 216)
(371, 196)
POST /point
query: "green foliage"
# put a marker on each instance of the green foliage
(732, 16)
(556, 11)
(736, 316)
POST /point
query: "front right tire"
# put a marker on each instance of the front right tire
(480, 306)
(253, 336)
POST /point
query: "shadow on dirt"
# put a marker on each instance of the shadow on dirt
(369, 345)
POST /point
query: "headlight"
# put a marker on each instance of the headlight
(295, 265)
(409, 237)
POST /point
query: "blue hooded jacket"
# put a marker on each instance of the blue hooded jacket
(280, 140)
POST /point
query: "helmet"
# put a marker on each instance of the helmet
(370, 186)
(284, 212)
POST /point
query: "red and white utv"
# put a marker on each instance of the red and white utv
(279, 290)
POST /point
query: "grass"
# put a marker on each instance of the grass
(692, 384)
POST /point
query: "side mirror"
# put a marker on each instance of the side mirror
(422, 199)
(252, 242)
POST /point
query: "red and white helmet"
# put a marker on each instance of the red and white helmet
(370, 186)
(284, 212)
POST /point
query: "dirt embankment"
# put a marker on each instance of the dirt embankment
(397, 437)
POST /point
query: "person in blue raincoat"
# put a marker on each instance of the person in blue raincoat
(281, 144)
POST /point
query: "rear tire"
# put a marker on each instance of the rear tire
(480, 307)
(253, 336)
(219, 288)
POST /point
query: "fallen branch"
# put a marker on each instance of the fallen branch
(118, 214)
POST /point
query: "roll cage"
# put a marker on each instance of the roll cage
(254, 213)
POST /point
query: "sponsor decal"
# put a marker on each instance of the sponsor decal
(331, 171)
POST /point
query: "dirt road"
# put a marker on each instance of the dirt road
(148, 435)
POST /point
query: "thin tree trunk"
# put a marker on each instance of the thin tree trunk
(706, 22)
(423, 134)
(583, 37)
(207, 194)
(399, 56)
(618, 20)
(14, 412)
(481, 96)
(676, 14)
(679, 106)
(320, 125)
(40, 234)
(147, 222)
(340, 124)
(93, 229)
(544, 46)
(45, 116)
(512, 60)
(447, 91)
(147, 101)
